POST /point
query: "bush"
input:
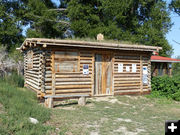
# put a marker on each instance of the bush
(166, 86)
(15, 79)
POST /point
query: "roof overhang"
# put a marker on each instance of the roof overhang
(85, 44)
(156, 58)
(168, 61)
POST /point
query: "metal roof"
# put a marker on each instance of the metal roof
(163, 59)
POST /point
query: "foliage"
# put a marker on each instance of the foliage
(19, 105)
(166, 86)
(144, 22)
(175, 6)
(10, 61)
(14, 79)
(10, 25)
(176, 68)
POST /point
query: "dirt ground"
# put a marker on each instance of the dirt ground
(126, 115)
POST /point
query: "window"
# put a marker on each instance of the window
(30, 59)
(66, 61)
(160, 69)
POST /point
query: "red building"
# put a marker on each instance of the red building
(162, 65)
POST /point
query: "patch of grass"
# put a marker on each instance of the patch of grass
(130, 114)
(103, 41)
(14, 79)
(19, 105)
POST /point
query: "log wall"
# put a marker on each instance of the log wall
(49, 77)
(70, 81)
(33, 75)
(128, 82)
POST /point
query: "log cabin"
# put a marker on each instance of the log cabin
(69, 68)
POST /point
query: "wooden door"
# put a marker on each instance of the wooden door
(103, 74)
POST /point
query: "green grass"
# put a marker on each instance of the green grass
(103, 115)
(132, 114)
(103, 41)
(18, 105)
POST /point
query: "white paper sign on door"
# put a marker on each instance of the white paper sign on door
(133, 67)
(127, 69)
(120, 67)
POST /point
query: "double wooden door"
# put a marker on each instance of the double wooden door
(103, 74)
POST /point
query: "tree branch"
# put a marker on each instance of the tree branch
(176, 42)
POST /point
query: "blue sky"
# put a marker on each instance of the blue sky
(174, 35)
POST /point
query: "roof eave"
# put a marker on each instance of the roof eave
(169, 61)
(90, 44)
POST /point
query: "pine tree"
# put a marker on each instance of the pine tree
(10, 26)
(175, 6)
(143, 22)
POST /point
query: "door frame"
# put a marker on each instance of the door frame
(111, 54)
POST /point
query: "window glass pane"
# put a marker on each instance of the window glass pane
(66, 61)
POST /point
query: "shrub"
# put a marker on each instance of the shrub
(166, 86)
(15, 79)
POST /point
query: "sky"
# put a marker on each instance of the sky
(174, 35)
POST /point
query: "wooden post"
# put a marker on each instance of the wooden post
(141, 74)
(112, 86)
(149, 73)
(93, 72)
(53, 78)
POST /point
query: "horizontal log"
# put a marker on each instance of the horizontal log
(126, 82)
(115, 70)
(85, 62)
(33, 78)
(127, 75)
(124, 85)
(48, 68)
(85, 55)
(33, 72)
(72, 79)
(73, 76)
(32, 75)
(36, 59)
(73, 86)
(33, 82)
(33, 85)
(117, 73)
(86, 58)
(67, 73)
(48, 79)
(122, 79)
(48, 75)
(69, 91)
(126, 88)
(48, 84)
(72, 83)
(48, 72)
(121, 91)
(67, 95)
(124, 60)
